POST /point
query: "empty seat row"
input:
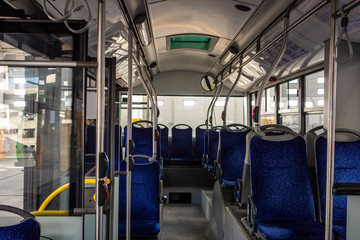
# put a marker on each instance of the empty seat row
(278, 178)
(146, 199)
(180, 147)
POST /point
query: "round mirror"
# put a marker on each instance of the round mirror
(207, 83)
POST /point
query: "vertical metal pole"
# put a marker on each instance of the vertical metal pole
(100, 85)
(129, 134)
(331, 124)
(111, 143)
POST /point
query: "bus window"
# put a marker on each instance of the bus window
(268, 107)
(288, 104)
(314, 100)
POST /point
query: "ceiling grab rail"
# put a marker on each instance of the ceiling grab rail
(212, 114)
(257, 109)
(344, 25)
(153, 103)
(223, 115)
(209, 108)
(248, 48)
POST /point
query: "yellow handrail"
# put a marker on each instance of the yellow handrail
(43, 212)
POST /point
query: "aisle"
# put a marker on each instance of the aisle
(183, 221)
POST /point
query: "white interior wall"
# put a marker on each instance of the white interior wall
(347, 88)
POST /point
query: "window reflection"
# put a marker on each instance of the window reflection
(314, 90)
(268, 107)
(35, 134)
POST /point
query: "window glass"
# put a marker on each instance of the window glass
(314, 90)
(36, 132)
(268, 107)
(290, 121)
(288, 96)
(188, 110)
(313, 120)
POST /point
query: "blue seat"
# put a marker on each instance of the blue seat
(181, 143)
(281, 190)
(205, 156)
(145, 200)
(143, 140)
(213, 148)
(27, 229)
(199, 142)
(232, 155)
(90, 146)
(346, 170)
(164, 142)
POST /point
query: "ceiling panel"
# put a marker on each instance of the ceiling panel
(210, 17)
(185, 61)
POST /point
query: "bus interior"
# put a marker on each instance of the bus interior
(179, 119)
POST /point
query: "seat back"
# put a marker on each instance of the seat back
(213, 147)
(145, 199)
(271, 131)
(206, 147)
(279, 179)
(142, 138)
(199, 142)
(164, 142)
(181, 143)
(232, 153)
(310, 138)
(90, 146)
(27, 229)
(346, 170)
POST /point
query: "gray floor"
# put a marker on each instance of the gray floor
(183, 221)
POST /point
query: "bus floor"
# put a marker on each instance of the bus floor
(183, 221)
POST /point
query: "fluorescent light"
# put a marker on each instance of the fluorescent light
(292, 91)
(309, 104)
(320, 102)
(20, 92)
(220, 103)
(189, 103)
(320, 91)
(293, 103)
(160, 103)
(320, 80)
(20, 80)
(230, 53)
(19, 103)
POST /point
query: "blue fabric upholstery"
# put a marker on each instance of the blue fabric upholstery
(142, 138)
(230, 183)
(29, 229)
(164, 143)
(291, 229)
(206, 146)
(181, 144)
(346, 170)
(233, 148)
(144, 200)
(199, 143)
(213, 147)
(281, 189)
(90, 146)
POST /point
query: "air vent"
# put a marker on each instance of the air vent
(193, 42)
